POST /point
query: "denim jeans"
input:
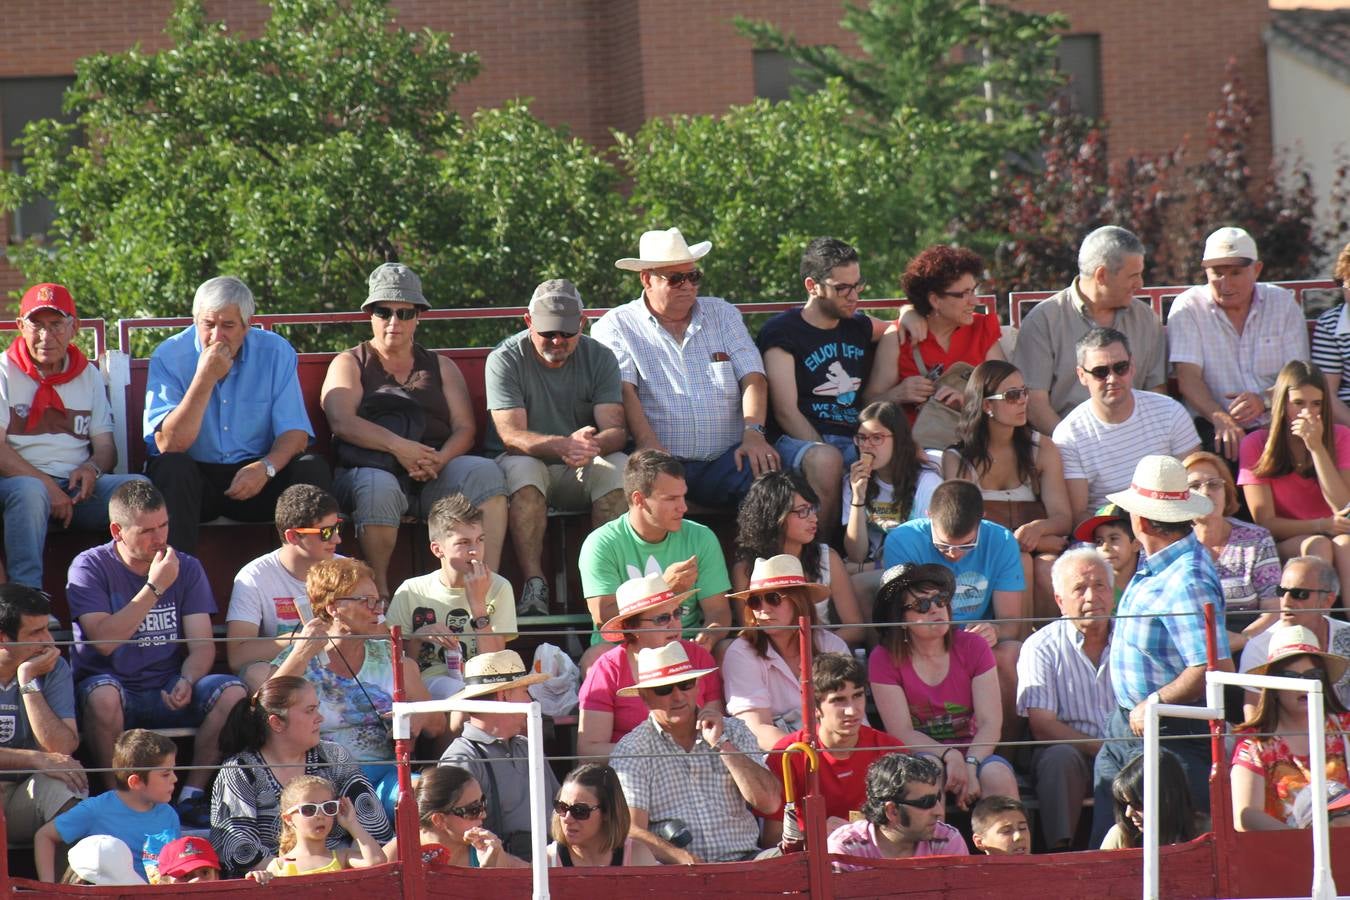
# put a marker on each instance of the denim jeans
(28, 510)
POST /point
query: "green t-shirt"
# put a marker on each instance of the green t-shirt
(556, 401)
(613, 554)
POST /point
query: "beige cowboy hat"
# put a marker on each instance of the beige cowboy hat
(487, 673)
(1287, 641)
(1159, 491)
(658, 249)
(649, 594)
(663, 665)
(779, 572)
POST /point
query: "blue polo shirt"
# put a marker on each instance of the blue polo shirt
(257, 401)
(994, 565)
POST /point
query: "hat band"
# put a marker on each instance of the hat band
(493, 678)
(1289, 649)
(642, 603)
(1151, 494)
(778, 581)
(666, 671)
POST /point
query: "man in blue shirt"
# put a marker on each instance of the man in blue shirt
(990, 585)
(225, 423)
(1158, 639)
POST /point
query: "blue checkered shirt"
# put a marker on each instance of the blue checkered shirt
(1149, 648)
(690, 390)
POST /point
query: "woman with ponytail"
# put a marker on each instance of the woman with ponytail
(271, 738)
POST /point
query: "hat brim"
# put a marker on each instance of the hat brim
(478, 690)
(815, 592)
(1084, 532)
(1193, 507)
(422, 303)
(1333, 663)
(188, 865)
(1228, 261)
(633, 264)
(547, 322)
(611, 630)
(632, 689)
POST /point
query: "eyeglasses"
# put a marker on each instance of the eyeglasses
(665, 689)
(771, 599)
(805, 511)
(475, 810)
(558, 335)
(325, 533)
(968, 294)
(403, 315)
(675, 279)
(579, 811)
(922, 605)
(659, 621)
(927, 801)
(1299, 593)
(372, 601)
(1306, 675)
(871, 440)
(310, 810)
(1119, 368)
(856, 288)
(55, 327)
(1205, 484)
(944, 547)
(1015, 395)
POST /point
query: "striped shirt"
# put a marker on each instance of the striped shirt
(1160, 623)
(1054, 674)
(1331, 346)
(1275, 332)
(693, 785)
(689, 390)
(1105, 454)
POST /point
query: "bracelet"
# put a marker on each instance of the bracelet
(858, 505)
(159, 595)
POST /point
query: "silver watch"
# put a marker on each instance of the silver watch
(30, 687)
(270, 469)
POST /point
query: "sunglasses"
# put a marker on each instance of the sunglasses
(928, 801)
(944, 547)
(325, 533)
(1308, 675)
(924, 604)
(310, 810)
(1100, 372)
(771, 599)
(1015, 395)
(557, 335)
(384, 312)
(372, 601)
(660, 621)
(579, 811)
(475, 810)
(1299, 593)
(665, 689)
(675, 279)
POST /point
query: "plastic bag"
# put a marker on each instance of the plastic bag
(558, 695)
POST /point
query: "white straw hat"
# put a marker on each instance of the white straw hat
(487, 673)
(779, 573)
(1287, 641)
(1159, 491)
(658, 666)
(649, 594)
(658, 249)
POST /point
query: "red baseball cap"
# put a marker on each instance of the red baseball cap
(47, 296)
(187, 854)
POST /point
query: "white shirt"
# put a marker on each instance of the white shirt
(1054, 674)
(265, 594)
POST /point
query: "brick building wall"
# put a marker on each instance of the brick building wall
(600, 65)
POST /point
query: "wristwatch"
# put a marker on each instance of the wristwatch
(973, 761)
(270, 469)
(755, 426)
(30, 687)
(479, 623)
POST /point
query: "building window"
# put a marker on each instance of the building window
(1080, 58)
(23, 100)
(776, 75)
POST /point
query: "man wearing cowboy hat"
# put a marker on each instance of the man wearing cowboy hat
(686, 766)
(693, 382)
(1158, 639)
(1229, 338)
(225, 423)
(494, 750)
(56, 433)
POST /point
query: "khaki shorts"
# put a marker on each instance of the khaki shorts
(32, 803)
(559, 483)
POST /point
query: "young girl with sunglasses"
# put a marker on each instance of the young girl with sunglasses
(308, 810)
(591, 821)
(1018, 470)
(936, 686)
(451, 808)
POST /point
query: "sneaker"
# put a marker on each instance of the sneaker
(194, 812)
(533, 598)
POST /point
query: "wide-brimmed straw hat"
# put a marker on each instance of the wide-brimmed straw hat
(663, 665)
(1159, 492)
(487, 673)
(658, 249)
(649, 594)
(779, 573)
(1287, 641)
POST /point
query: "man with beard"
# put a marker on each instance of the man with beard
(556, 424)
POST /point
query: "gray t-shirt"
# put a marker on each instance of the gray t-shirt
(556, 401)
(15, 734)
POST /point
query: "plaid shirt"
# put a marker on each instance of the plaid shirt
(1150, 644)
(690, 390)
(693, 785)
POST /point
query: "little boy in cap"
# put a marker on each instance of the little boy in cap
(1109, 530)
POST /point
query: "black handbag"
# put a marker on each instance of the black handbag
(393, 409)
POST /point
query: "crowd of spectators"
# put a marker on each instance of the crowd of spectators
(992, 543)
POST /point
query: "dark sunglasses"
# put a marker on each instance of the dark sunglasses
(771, 599)
(925, 604)
(557, 335)
(325, 533)
(580, 811)
(666, 689)
(675, 279)
(1299, 593)
(475, 810)
(384, 312)
(1309, 675)
(1100, 372)
(927, 801)
(310, 810)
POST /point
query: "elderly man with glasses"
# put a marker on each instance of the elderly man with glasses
(56, 433)
(1103, 438)
(693, 382)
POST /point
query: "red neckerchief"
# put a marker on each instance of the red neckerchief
(46, 396)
